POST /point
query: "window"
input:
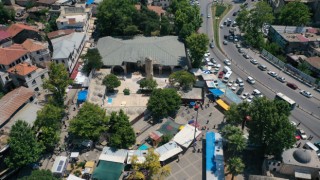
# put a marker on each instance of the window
(63, 61)
(38, 52)
(42, 76)
(36, 89)
(7, 78)
(34, 82)
(57, 61)
(29, 75)
(41, 59)
(61, 23)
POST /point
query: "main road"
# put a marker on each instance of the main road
(265, 83)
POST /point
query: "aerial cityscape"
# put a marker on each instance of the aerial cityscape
(159, 89)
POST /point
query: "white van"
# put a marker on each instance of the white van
(310, 146)
(226, 69)
(251, 80)
(226, 77)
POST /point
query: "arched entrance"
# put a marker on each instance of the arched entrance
(118, 70)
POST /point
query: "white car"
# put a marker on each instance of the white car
(250, 98)
(293, 123)
(213, 60)
(238, 45)
(221, 26)
(227, 62)
(206, 54)
(210, 64)
(208, 16)
(233, 88)
(302, 134)
(273, 74)
(225, 42)
(229, 84)
(253, 61)
(306, 93)
(236, 40)
(218, 65)
(244, 95)
(207, 59)
(281, 79)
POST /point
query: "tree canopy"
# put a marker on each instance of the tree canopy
(149, 84)
(24, 148)
(92, 60)
(164, 102)
(111, 81)
(122, 135)
(233, 135)
(235, 166)
(150, 169)
(184, 78)
(90, 122)
(295, 14)
(251, 21)
(198, 45)
(58, 82)
(40, 175)
(269, 126)
(5, 14)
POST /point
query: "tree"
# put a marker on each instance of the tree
(51, 25)
(122, 134)
(49, 137)
(40, 175)
(24, 148)
(304, 67)
(165, 139)
(90, 122)
(111, 81)
(150, 84)
(295, 14)
(92, 60)
(235, 166)
(233, 135)
(151, 168)
(166, 26)
(6, 14)
(50, 116)
(57, 82)
(184, 78)
(198, 45)
(236, 114)
(163, 103)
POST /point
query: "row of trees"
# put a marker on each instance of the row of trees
(6, 14)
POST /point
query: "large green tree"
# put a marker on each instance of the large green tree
(50, 116)
(295, 14)
(149, 84)
(24, 148)
(122, 135)
(40, 175)
(270, 126)
(235, 166)
(184, 78)
(198, 45)
(164, 102)
(57, 83)
(6, 14)
(111, 81)
(251, 21)
(92, 60)
(233, 135)
(90, 122)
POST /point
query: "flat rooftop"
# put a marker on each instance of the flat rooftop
(298, 34)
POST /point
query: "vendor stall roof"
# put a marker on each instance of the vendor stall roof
(216, 92)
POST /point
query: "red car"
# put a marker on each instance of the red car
(297, 136)
(220, 75)
(292, 86)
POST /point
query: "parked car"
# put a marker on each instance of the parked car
(240, 90)
(250, 98)
(306, 93)
(293, 123)
(240, 82)
(254, 62)
(238, 45)
(240, 50)
(262, 67)
(297, 136)
(273, 74)
(245, 95)
(246, 56)
(292, 86)
(234, 13)
(220, 75)
(302, 134)
(281, 79)
(213, 60)
(227, 62)
(225, 42)
(209, 16)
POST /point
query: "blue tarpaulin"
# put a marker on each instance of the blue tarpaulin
(210, 155)
(216, 92)
(89, 2)
(82, 96)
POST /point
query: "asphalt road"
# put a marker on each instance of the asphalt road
(265, 83)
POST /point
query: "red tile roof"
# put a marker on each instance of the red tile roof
(9, 55)
(314, 61)
(156, 9)
(312, 30)
(12, 101)
(15, 29)
(75, 71)
(4, 35)
(22, 69)
(59, 33)
(302, 38)
(33, 45)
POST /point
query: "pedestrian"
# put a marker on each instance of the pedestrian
(207, 121)
(298, 124)
(198, 150)
(214, 126)
(65, 126)
(74, 108)
(67, 117)
(311, 138)
(178, 159)
(210, 114)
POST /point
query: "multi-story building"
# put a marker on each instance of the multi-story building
(21, 32)
(30, 76)
(9, 57)
(67, 49)
(73, 18)
(38, 51)
(5, 39)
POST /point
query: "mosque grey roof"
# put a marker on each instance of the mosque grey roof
(301, 157)
(167, 50)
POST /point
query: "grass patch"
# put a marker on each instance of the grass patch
(220, 8)
(218, 11)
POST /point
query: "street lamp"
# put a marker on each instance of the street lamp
(196, 107)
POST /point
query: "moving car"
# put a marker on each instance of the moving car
(225, 42)
(292, 86)
(220, 75)
(240, 82)
(240, 90)
(227, 62)
(281, 79)
(256, 93)
(234, 13)
(262, 67)
(250, 80)
(302, 134)
(306, 93)
(273, 74)
(211, 45)
(253, 61)
(209, 16)
(293, 123)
